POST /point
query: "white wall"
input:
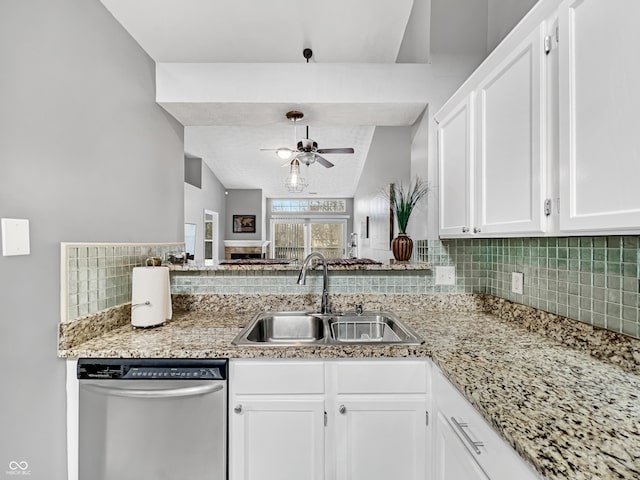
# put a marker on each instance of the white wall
(502, 17)
(85, 155)
(388, 161)
(211, 197)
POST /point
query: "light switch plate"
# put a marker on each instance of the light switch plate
(517, 282)
(445, 275)
(15, 237)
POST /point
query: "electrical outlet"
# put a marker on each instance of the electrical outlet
(517, 282)
(445, 275)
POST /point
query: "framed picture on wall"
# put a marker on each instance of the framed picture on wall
(244, 224)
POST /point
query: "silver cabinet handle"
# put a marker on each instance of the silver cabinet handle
(237, 409)
(461, 427)
(465, 229)
(476, 230)
(166, 393)
(342, 409)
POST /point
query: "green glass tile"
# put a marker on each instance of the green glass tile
(613, 309)
(630, 285)
(599, 242)
(599, 293)
(630, 270)
(586, 242)
(599, 306)
(574, 241)
(630, 242)
(613, 255)
(630, 255)
(574, 253)
(598, 320)
(599, 254)
(586, 266)
(630, 328)
(614, 268)
(599, 267)
(613, 323)
(614, 296)
(630, 313)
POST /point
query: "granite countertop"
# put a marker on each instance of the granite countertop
(291, 266)
(569, 414)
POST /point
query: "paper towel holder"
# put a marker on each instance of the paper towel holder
(153, 261)
(141, 304)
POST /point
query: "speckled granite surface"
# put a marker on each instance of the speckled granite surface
(571, 415)
(385, 267)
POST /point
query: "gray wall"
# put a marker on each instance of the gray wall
(244, 202)
(85, 155)
(211, 196)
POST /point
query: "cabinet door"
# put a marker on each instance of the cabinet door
(455, 161)
(452, 459)
(276, 438)
(511, 153)
(599, 106)
(381, 439)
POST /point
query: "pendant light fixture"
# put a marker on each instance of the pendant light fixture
(295, 182)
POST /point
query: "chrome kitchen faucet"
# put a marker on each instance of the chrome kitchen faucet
(325, 308)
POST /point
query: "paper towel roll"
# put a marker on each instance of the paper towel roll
(150, 296)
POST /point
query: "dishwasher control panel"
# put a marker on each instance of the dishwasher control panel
(152, 369)
(173, 373)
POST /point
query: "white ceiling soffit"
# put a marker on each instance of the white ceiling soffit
(252, 114)
(265, 31)
(233, 153)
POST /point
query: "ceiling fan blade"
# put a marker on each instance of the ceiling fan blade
(323, 161)
(335, 150)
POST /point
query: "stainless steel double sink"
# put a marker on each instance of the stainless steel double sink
(300, 328)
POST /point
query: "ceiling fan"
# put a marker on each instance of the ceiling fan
(306, 150)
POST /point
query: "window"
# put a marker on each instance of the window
(298, 237)
(334, 205)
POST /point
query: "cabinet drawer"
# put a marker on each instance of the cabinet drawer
(281, 377)
(496, 457)
(381, 376)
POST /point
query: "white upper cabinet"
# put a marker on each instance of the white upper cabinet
(551, 116)
(599, 107)
(511, 156)
(455, 151)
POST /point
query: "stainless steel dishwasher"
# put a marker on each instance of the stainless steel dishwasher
(152, 419)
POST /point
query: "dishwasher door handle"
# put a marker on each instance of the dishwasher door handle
(166, 393)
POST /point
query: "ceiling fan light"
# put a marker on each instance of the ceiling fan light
(307, 158)
(284, 153)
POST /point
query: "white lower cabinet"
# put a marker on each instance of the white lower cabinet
(276, 420)
(452, 460)
(313, 420)
(277, 438)
(467, 448)
(376, 419)
(380, 419)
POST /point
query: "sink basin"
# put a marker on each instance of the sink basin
(368, 328)
(299, 328)
(283, 328)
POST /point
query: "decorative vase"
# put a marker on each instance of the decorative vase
(402, 246)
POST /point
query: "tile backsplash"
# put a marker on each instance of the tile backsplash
(97, 276)
(592, 279)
